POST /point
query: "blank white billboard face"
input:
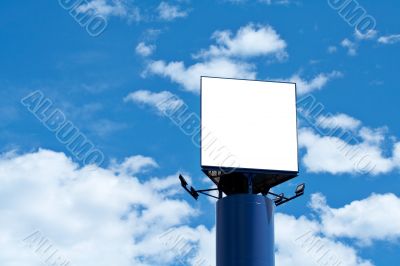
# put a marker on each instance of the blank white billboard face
(248, 124)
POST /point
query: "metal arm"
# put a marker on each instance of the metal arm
(195, 193)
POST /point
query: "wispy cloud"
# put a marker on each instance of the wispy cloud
(144, 49)
(106, 8)
(350, 46)
(339, 120)
(316, 83)
(134, 165)
(389, 39)
(189, 77)
(163, 101)
(170, 12)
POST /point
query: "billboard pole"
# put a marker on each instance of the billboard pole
(245, 230)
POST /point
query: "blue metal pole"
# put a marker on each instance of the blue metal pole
(245, 231)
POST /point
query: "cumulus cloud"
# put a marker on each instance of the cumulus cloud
(338, 150)
(301, 242)
(249, 41)
(227, 58)
(389, 39)
(106, 216)
(94, 216)
(163, 101)
(170, 12)
(144, 49)
(189, 77)
(361, 219)
(318, 82)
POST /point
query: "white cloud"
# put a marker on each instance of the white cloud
(342, 151)
(144, 49)
(373, 136)
(101, 7)
(351, 47)
(390, 39)
(99, 216)
(91, 214)
(301, 242)
(225, 59)
(170, 12)
(163, 101)
(365, 220)
(317, 83)
(189, 77)
(352, 44)
(249, 41)
(105, 8)
(134, 165)
(371, 34)
(339, 120)
(298, 241)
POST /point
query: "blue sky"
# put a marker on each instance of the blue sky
(109, 86)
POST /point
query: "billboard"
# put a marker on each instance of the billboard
(248, 126)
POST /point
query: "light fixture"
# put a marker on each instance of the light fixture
(183, 181)
(194, 193)
(279, 198)
(300, 189)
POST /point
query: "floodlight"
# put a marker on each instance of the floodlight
(183, 181)
(194, 193)
(279, 198)
(300, 189)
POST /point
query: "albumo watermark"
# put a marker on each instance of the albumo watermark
(345, 141)
(318, 248)
(65, 131)
(190, 124)
(45, 249)
(94, 23)
(182, 248)
(354, 14)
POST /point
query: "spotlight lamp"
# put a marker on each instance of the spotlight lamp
(195, 193)
(183, 181)
(300, 189)
(281, 199)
